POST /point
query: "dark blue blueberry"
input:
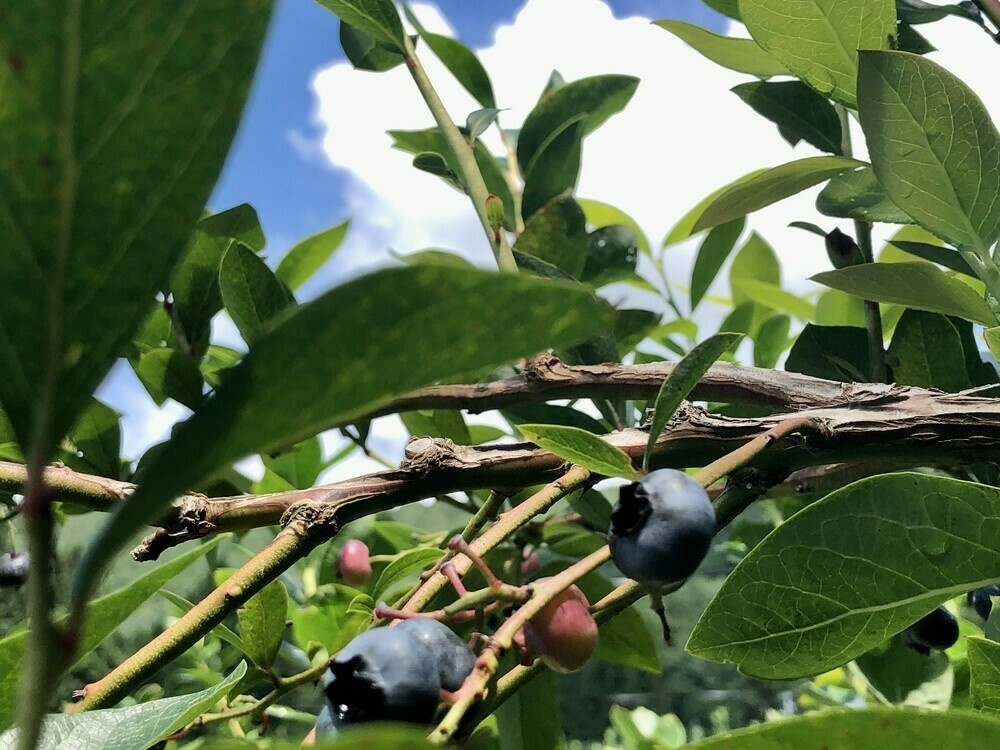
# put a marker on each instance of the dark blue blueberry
(937, 631)
(13, 569)
(661, 527)
(384, 674)
(981, 601)
(454, 657)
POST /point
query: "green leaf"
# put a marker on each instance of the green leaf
(714, 250)
(741, 55)
(932, 145)
(798, 111)
(262, 623)
(818, 40)
(900, 545)
(194, 284)
(728, 8)
(98, 436)
(771, 341)
(220, 630)
(868, 729)
(581, 448)
(367, 52)
(921, 286)
(300, 465)
(104, 615)
(753, 192)
(943, 256)
(595, 99)
(859, 195)
(438, 423)
(531, 718)
(612, 255)
(984, 665)
(926, 351)
(140, 725)
(275, 397)
(917, 11)
(405, 565)
(552, 414)
(601, 215)
(557, 234)
(774, 297)
(831, 352)
(250, 291)
(681, 382)
(684, 227)
(106, 170)
(756, 261)
(237, 224)
(168, 373)
(377, 18)
(555, 167)
(308, 256)
(464, 65)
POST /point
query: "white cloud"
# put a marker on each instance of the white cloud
(681, 136)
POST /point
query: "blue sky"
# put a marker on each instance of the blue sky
(296, 197)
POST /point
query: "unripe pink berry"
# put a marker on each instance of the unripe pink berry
(563, 634)
(529, 565)
(353, 565)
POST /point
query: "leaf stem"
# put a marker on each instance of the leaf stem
(863, 233)
(465, 157)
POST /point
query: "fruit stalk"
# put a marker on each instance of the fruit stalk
(475, 686)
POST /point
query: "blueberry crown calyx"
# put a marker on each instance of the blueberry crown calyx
(632, 511)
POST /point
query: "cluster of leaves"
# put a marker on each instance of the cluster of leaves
(107, 258)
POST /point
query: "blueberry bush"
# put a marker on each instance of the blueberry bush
(823, 536)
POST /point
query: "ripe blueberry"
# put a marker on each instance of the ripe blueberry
(384, 674)
(661, 528)
(938, 631)
(563, 634)
(454, 657)
(353, 564)
(325, 726)
(13, 569)
(981, 601)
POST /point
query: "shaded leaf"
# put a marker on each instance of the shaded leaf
(798, 111)
(831, 352)
(943, 256)
(858, 195)
(921, 286)
(612, 255)
(926, 351)
(378, 18)
(714, 250)
(557, 234)
(530, 719)
(168, 373)
(555, 167)
(275, 397)
(594, 99)
(602, 215)
(250, 291)
(902, 676)
(92, 217)
(367, 52)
